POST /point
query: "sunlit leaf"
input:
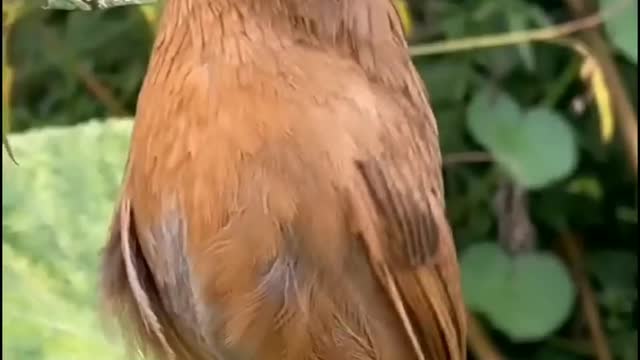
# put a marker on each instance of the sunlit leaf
(586, 186)
(536, 147)
(593, 75)
(55, 211)
(151, 13)
(405, 16)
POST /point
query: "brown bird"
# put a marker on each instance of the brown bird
(283, 196)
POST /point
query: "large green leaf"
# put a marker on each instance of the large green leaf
(485, 270)
(55, 211)
(527, 296)
(623, 28)
(446, 81)
(536, 147)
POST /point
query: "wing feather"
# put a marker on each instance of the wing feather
(411, 247)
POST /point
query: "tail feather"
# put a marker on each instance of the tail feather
(130, 295)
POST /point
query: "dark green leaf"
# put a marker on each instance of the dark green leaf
(623, 28)
(614, 268)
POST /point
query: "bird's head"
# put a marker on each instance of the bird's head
(355, 19)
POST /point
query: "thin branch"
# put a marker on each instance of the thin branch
(10, 13)
(572, 249)
(627, 123)
(466, 158)
(101, 92)
(580, 347)
(627, 116)
(480, 342)
(519, 37)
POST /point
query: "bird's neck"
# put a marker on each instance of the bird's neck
(359, 20)
(369, 30)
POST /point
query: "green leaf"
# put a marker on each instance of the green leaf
(625, 345)
(526, 297)
(627, 214)
(485, 271)
(56, 209)
(616, 273)
(446, 81)
(623, 28)
(588, 186)
(451, 125)
(614, 268)
(537, 147)
(518, 21)
(538, 298)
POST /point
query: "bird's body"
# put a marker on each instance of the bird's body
(283, 196)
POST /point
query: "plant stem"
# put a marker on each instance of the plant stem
(627, 116)
(480, 342)
(518, 37)
(572, 249)
(466, 157)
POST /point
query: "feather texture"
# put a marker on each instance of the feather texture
(283, 196)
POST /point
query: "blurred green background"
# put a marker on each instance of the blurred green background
(541, 186)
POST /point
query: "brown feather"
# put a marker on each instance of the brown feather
(283, 196)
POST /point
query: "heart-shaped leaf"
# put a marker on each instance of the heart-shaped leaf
(484, 273)
(537, 147)
(527, 297)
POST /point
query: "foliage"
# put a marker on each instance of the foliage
(55, 215)
(520, 114)
(527, 297)
(621, 30)
(513, 137)
(83, 64)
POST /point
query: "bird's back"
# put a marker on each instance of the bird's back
(245, 227)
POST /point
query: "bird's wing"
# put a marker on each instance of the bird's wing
(409, 241)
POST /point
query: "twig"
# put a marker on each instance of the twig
(572, 249)
(580, 347)
(518, 37)
(479, 341)
(9, 15)
(100, 91)
(93, 84)
(466, 157)
(628, 118)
